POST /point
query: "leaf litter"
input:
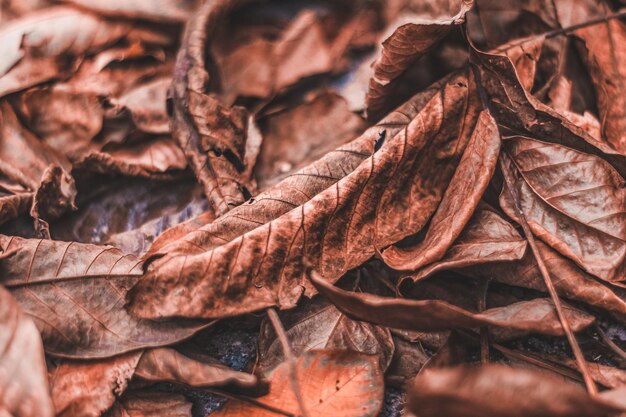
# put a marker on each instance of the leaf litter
(307, 208)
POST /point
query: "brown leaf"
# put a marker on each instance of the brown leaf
(405, 46)
(514, 107)
(606, 62)
(461, 198)
(38, 170)
(88, 388)
(319, 325)
(575, 202)
(151, 404)
(146, 104)
(470, 392)
(76, 292)
(159, 158)
(157, 11)
(337, 383)
(212, 135)
(487, 238)
(534, 316)
(51, 32)
(294, 190)
(164, 364)
(389, 196)
(23, 379)
(292, 139)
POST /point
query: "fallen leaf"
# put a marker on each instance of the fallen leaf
(573, 201)
(75, 293)
(337, 383)
(534, 316)
(337, 229)
(461, 198)
(469, 391)
(158, 11)
(320, 325)
(23, 379)
(406, 45)
(151, 404)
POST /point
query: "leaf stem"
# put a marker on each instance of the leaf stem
(291, 360)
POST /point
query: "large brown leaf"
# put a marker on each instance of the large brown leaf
(319, 325)
(534, 316)
(467, 186)
(23, 379)
(75, 293)
(405, 46)
(389, 196)
(573, 201)
(203, 233)
(513, 106)
(471, 392)
(334, 382)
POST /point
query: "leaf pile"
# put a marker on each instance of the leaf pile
(431, 194)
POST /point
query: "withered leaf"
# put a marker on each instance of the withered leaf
(23, 379)
(389, 196)
(573, 201)
(146, 104)
(151, 404)
(158, 11)
(159, 158)
(294, 190)
(75, 293)
(89, 388)
(338, 382)
(60, 32)
(516, 108)
(534, 316)
(470, 392)
(164, 364)
(487, 238)
(405, 45)
(458, 203)
(319, 325)
(32, 168)
(212, 135)
(606, 61)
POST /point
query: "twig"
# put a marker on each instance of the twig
(611, 344)
(249, 400)
(291, 360)
(578, 354)
(484, 330)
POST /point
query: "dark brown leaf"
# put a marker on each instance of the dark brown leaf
(151, 404)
